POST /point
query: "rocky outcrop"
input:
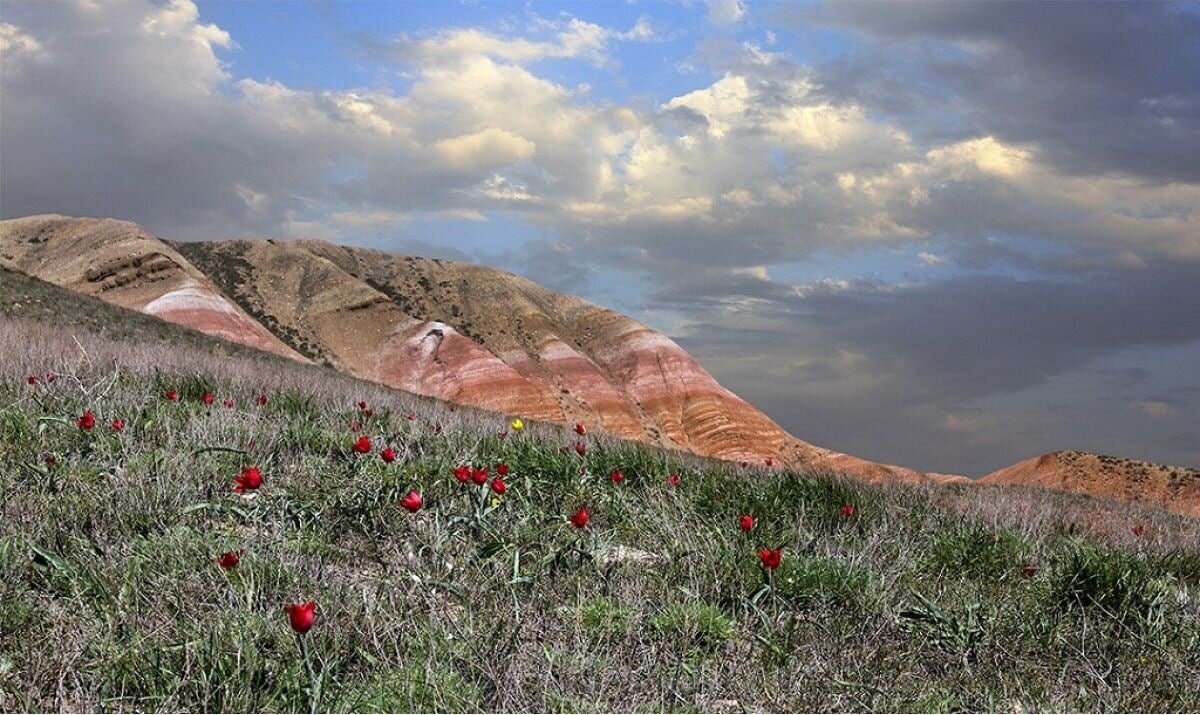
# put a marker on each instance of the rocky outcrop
(1098, 475)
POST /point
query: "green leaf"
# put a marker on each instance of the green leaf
(49, 558)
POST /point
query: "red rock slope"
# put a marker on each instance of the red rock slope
(1098, 475)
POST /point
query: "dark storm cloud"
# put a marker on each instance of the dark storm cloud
(900, 372)
(1105, 86)
(972, 336)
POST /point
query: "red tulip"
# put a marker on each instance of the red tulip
(362, 405)
(86, 421)
(32, 380)
(412, 501)
(249, 479)
(50, 460)
(208, 398)
(368, 412)
(501, 435)
(1029, 570)
(499, 486)
(743, 465)
(770, 462)
(229, 559)
(437, 428)
(230, 403)
(51, 377)
(770, 558)
(462, 473)
(301, 615)
(617, 477)
(580, 448)
(580, 518)
(261, 400)
(746, 522)
(355, 426)
(847, 510)
(479, 476)
(580, 429)
(117, 424)
(412, 416)
(388, 455)
(502, 469)
(1138, 530)
(363, 444)
(171, 395)
(674, 480)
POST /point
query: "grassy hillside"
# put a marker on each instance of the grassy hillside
(921, 599)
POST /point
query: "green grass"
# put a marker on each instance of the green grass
(110, 600)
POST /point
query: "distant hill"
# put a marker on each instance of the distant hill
(1103, 476)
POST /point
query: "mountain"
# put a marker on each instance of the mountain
(1098, 475)
(463, 333)
(476, 336)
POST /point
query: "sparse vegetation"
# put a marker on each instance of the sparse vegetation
(916, 599)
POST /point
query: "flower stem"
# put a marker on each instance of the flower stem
(314, 692)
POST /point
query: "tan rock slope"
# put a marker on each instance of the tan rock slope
(1177, 488)
(120, 263)
(477, 336)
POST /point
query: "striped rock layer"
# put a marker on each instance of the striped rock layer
(483, 337)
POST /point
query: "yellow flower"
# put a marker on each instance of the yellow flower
(517, 425)
(495, 501)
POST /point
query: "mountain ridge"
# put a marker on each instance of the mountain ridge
(478, 336)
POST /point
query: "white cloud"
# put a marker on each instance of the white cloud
(725, 12)
(487, 148)
(571, 38)
(180, 19)
(984, 155)
(930, 259)
(368, 219)
(500, 188)
(155, 127)
(16, 45)
(723, 104)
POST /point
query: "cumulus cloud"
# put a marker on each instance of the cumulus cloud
(571, 38)
(725, 12)
(487, 148)
(16, 45)
(1102, 87)
(1077, 172)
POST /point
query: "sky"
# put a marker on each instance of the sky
(944, 235)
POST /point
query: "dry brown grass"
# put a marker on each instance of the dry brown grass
(109, 600)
